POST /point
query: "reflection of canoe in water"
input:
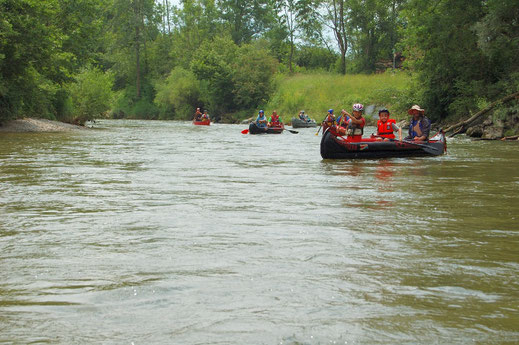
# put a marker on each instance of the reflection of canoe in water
(334, 146)
(298, 123)
(254, 129)
(202, 123)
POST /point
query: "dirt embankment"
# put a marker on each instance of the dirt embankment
(38, 125)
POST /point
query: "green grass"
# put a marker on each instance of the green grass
(316, 93)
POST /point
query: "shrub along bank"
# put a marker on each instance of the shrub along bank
(315, 93)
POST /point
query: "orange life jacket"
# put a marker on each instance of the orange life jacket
(385, 129)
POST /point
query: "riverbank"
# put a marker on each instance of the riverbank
(38, 125)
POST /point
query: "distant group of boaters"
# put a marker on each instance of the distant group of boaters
(199, 116)
(353, 125)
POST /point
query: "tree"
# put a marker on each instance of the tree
(246, 19)
(133, 23)
(442, 48)
(295, 17)
(337, 19)
(91, 95)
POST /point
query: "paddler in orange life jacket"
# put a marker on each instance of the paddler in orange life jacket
(386, 126)
(275, 120)
(329, 120)
(356, 123)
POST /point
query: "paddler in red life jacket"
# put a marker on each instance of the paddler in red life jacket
(356, 123)
(386, 126)
(329, 120)
(275, 120)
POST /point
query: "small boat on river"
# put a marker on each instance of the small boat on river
(298, 123)
(202, 123)
(335, 146)
(254, 129)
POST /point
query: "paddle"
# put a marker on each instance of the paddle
(291, 131)
(320, 126)
(429, 149)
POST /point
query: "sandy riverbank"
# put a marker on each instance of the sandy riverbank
(38, 125)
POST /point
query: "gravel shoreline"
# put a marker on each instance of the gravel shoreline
(38, 125)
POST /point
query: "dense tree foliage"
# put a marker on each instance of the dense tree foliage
(76, 59)
(465, 52)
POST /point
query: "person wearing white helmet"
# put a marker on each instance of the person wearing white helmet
(355, 124)
(420, 125)
(198, 115)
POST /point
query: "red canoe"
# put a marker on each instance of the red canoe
(202, 123)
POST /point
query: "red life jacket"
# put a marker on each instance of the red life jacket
(274, 120)
(385, 129)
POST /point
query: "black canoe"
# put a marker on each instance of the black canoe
(334, 146)
(254, 129)
(298, 123)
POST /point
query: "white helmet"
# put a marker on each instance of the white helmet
(358, 107)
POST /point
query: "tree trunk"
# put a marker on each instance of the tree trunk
(137, 51)
(461, 125)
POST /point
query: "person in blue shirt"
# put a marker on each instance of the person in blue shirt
(419, 126)
(261, 120)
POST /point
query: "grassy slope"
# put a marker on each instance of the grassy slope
(316, 93)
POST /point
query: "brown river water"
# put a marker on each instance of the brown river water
(165, 233)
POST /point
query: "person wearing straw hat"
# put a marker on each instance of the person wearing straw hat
(420, 125)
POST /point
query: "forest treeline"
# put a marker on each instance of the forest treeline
(74, 60)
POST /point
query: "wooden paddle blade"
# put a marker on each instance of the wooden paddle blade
(245, 131)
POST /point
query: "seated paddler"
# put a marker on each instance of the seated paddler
(386, 126)
(198, 115)
(329, 120)
(355, 125)
(419, 126)
(275, 120)
(261, 120)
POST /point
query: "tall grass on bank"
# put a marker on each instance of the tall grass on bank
(316, 93)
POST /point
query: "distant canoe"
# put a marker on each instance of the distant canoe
(202, 123)
(334, 146)
(298, 123)
(254, 129)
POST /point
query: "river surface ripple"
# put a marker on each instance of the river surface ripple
(165, 233)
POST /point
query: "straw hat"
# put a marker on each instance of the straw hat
(416, 107)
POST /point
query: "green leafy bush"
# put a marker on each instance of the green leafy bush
(91, 95)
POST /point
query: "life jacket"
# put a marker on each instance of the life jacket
(385, 129)
(274, 120)
(343, 122)
(329, 120)
(355, 131)
(419, 127)
(205, 117)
